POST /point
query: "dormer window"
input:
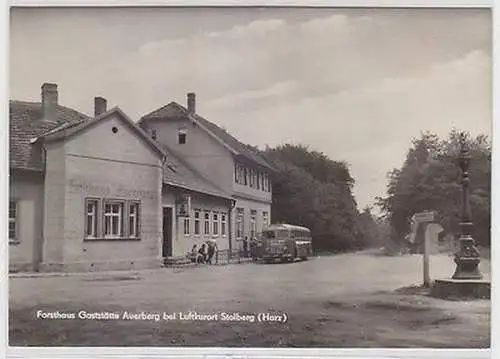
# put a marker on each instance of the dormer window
(182, 136)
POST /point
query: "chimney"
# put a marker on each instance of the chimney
(49, 101)
(100, 106)
(191, 102)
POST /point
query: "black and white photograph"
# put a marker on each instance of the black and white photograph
(250, 177)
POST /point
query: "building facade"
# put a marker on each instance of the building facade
(97, 193)
(219, 158)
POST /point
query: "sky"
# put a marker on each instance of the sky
(355, 84)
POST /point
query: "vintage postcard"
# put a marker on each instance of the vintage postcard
(250, 177)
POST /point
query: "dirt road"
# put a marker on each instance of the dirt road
(336, 301)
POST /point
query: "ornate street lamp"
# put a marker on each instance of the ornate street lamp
(467, 258)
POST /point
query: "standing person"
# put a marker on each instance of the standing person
(216, 250)
(210, 251)
(245, 247)
(253, 248)
(194, 253)
(202, 254)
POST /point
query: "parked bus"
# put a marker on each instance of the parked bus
(285, 242)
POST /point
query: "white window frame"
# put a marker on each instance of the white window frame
(197, 222)
(223, 221)
(110, 215)
(240, 222)
(242, 174)
(215, 224)
(186, 224)
(253, 223)
(238, 173)
(95, 217)
(265, 218)
(135, 217)
(14, 220)
(206, 223)
(182, 132)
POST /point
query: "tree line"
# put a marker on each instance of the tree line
(315, 191)
(312, 190)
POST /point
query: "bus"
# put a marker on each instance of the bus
(285, 242)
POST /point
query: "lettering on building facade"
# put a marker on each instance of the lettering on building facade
(111, 190)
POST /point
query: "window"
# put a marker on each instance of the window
(197, 222)
(267, 183)
(186, 226)
(236, 173)
(215, 224)
(182, 136)
(245, 176)
(91, 206)
(241, 179)
(251, 177)
(253, 223)
(265, 218)
(12, 221)
(223, 224)
(239, 222)
(206, 224)
(259, 174)
(133, 220)
(113, 219)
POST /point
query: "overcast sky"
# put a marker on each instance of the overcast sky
(354, 84)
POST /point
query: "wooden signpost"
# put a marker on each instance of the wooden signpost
(431, 232)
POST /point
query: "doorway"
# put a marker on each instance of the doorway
(167, 232)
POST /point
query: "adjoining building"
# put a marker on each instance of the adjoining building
(96, 193)
(92, 193)
(220, 158)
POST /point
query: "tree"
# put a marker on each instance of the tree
(430, 180)
(312, 190)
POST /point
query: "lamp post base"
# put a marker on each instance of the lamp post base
(461, 289)
(467, 268)
(467, 259)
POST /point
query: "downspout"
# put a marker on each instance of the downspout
(160, 215)
(40, 244)
(230, 222)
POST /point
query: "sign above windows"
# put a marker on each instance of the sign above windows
(183, 205)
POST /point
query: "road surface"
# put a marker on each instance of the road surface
(335, 301)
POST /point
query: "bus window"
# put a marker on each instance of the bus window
(268, 235)
(283, 233)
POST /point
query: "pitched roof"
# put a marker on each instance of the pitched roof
(26, 122)
(68, 131)
(174, 110)
(179, 174)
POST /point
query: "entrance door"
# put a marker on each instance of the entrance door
(167, 232)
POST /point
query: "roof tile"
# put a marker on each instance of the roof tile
(26, 123)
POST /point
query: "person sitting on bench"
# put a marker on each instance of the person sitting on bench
(194, 253)
(202, 255)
